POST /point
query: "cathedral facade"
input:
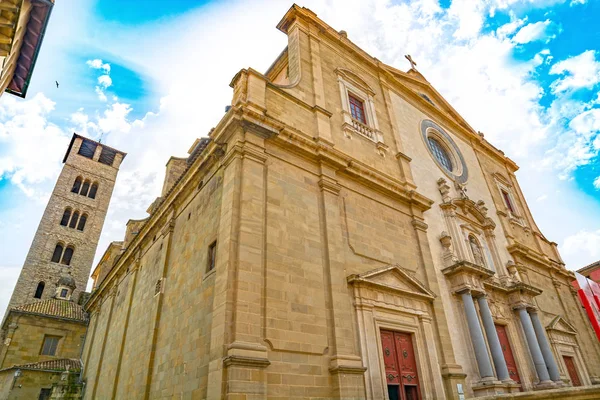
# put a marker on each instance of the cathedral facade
(343, 233)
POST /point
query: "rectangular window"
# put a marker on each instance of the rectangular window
(509, 204)
(212, 254)
(357, 109)
(107, 156)
(88, 148)
(50, 345)
(63, 293)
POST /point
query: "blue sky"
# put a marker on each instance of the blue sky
(149, 77)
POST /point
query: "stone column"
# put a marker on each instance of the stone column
(481, 354)
(545, 347)
(493, 341)
(534, 347)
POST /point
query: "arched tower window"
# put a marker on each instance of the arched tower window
(85, 188)
(74, 219)
(93, 190)
(65, 218)
(58, 250)
(476, 250)
(77, 184)
(68, 254)
(82, 221)
(39, 290)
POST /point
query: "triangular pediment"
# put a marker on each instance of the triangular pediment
(395, 279)
(417, 83)
(558, 323)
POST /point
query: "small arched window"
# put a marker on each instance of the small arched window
(93, 191)
(77, 185)
(476, 250)
(82, 221)
(74, 219)
(65, 218)
(58, 250)
(85, 188)
(39, 290)
(66, 258)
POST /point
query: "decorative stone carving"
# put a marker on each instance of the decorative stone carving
(461, 189)
(513, 271)
(447, 253)
(444, 189)
(465, 275)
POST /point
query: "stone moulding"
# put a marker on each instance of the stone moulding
(256, 362)
(346, 369)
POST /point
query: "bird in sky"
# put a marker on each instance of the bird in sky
(56, 84)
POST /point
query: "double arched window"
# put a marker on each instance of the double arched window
(85, 187)
(63, 254)
(73, 219)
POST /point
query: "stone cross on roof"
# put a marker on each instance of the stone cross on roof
(413, 64)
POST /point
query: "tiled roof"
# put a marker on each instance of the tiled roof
(61, 364)
(55, 308)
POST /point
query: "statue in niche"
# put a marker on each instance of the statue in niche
(476, 250)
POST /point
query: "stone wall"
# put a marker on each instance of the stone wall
(28, 338)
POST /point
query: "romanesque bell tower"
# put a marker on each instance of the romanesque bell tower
(68, 234)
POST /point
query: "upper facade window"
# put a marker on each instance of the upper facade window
(508, 201)
(358, 107)
(507, 195)
(85, 188)
(444, 151)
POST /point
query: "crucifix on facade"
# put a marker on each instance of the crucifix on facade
(413, 64)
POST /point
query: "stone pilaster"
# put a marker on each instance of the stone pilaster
(345, 363)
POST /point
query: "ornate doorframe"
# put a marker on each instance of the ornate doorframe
(563, 339)
(390, 298)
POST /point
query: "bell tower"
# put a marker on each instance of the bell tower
(67, 236)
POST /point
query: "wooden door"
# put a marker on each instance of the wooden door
(511, 364)
(400, 366)
(570, 364)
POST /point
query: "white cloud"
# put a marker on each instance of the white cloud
(584, 246)
(581, 71)
(532, 32)
(98, 64)
(104, 81)
(597, 183)
(26, 139)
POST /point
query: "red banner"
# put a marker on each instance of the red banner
(589, 294)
